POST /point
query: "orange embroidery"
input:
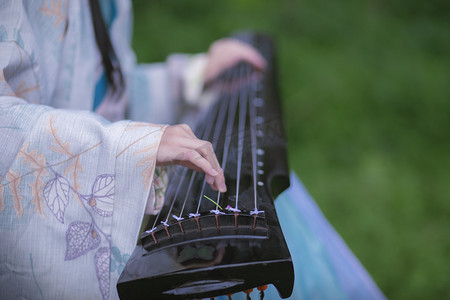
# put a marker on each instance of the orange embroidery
(64, 148)
(75, 167)
(38, 162)
(61, 147)
(135, 125)
(148, 161)
(137, 140)
(9, 76)
(55, 9)
(21, 90)
(2, 199)
(14, 179)
(39, 166)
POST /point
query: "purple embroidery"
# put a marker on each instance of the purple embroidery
(102, 199)
(102, 259)
(81, 237)
(56, 195)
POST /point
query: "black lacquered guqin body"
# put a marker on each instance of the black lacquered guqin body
(203, 243)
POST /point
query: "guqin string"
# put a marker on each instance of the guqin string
(238, 103)
(204, 243)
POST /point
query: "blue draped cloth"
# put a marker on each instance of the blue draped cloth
(324, 266)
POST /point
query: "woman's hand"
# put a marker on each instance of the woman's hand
(227, 52)
(180, 146)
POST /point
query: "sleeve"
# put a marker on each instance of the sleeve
(73, 190)
(170, 91)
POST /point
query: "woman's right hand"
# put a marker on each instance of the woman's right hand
(179, 145)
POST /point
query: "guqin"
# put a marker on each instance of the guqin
(203, 243)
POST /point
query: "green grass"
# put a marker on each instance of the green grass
(365, 89)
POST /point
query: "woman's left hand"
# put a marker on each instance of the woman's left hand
(227, 52)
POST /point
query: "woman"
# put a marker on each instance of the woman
(74, 185)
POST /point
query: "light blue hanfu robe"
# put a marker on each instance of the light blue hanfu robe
(324, 267)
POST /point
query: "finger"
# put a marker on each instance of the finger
(240, 51)
(199, 161)
(214, 178)
(219, 182)
(210, 180)
(207, 151)
(204, 148)
(250, 55)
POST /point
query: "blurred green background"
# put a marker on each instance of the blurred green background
(366, 89)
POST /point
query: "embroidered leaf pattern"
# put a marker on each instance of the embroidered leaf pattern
(116, 254)
(54, 9)
(102, 263)
(2, 199)
(135, 125)
(102, 201)
(37, 162)
(13, 177)
(148, 170)
(150, 149)
(60, 146)
(132, 126)
(118, 260)
(147, 162)
(159, 184)
(56, 195)
(64, 148)
(81, 237)
(33, 158)
(22, 90)
(125, 258)
(75, 167)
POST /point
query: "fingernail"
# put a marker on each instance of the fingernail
(214, 172)
(223, 188)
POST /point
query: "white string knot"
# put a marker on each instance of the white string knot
(233, 209)
(256, 212)
(196, 215)
(150, 230)
(216, 211)
(165, 223)
(177, 218)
